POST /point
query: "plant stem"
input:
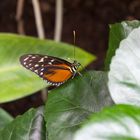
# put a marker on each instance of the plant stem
(38, 19)
(58, 20)
(19, 12)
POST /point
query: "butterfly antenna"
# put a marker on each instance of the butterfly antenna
(74, 36)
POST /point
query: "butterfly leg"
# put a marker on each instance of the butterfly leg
(80, 73)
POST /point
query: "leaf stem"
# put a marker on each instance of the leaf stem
(58, 20)
(19, 12)
(38, 19)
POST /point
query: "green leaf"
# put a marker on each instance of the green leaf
(17, 82)
(5, 118)
(121, 122)
(69, 105)
(118, 32)
(124, 74)
(29, 126)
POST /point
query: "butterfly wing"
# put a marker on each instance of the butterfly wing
(57, 75)
(55, 70)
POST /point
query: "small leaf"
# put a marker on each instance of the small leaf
(68, 106)
(124, 75)
(118, 32)
(17, 82)
(5, 118)
(121, 122)
(29, 126)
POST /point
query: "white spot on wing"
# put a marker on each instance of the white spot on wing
(36, 65)
(42, 69)
(50, 63)
(41, 60)
(52, 60)
(41, 73)
(26, 58)
(36, 71)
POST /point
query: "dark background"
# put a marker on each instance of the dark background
(90, 19)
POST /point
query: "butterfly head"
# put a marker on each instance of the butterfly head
(76, 64)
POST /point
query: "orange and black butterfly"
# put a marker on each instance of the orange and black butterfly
(54, 70)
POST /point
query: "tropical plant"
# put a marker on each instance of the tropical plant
(85, 107)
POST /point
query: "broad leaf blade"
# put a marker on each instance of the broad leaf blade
(5, 118)
(121, 122)
(124, 75)
(118, 32)
(30, 126)
(16, 81)
(68, 106)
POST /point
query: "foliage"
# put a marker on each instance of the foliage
(84, 107)
(120, 122)
(68, 106)
(124, 79)
(26, 127)
(118, 32)
(5, 118)
(16, 82)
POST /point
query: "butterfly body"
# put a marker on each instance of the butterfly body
(54, 70)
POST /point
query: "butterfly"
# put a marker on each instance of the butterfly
(54, 70)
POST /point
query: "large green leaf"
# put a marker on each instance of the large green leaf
(5, 118)
(124, 74)
(121, 122)
(17, 82)
(68, 106)
(30, 126)
(118, 32)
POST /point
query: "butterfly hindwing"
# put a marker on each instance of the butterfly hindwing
(57, 74)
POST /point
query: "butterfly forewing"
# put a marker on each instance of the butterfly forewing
(34, 63)
(55, 70)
